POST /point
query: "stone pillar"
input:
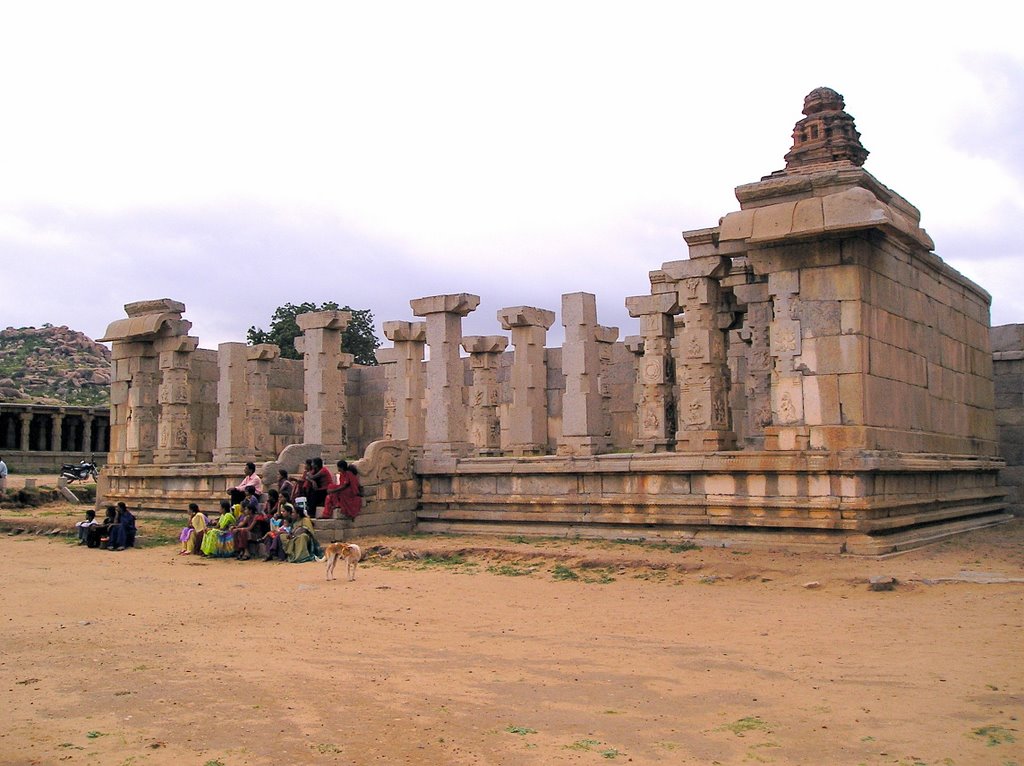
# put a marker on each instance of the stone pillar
(258, 361)
(757, 378)
(606, 337)
(137, 384)
(528, 413)
(583, 428)
(233, 444)
(57, 431)
(323, 362)
(176, 442)
(406, 386)
(484, 358)
(26, 430)
(702, 368)
(655, 428)
(445, 435)
(87, 420)
(788, 430)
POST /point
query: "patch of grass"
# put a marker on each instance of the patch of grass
(602, 578)
(327, 747)
(562, 572)
(520, 730)
(95, 734)
(610, 753)
(583, 744)
(70, 746)
(214, 762)
(994, 735)
(443, 560)
(516, 539)
(510, 570)
(744, 725)
(708, 580)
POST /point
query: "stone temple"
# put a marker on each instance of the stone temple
(812, 375)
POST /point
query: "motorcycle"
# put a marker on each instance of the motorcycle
(79, 472)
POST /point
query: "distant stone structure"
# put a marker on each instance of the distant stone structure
(812, 374)
(1008, 370)
(38, 438)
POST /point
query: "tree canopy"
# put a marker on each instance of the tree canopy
(357, 339)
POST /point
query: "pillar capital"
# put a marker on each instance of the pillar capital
(323, 320)
(484, 344)
(405, 332)
(525, 316)
(460, 304)
(645, 305)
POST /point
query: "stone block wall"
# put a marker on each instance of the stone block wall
(366, 390)
(1008, 373)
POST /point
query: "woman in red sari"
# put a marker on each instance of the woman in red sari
(337, 486)
(351, 493)
(320, 481)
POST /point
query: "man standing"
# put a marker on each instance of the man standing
(3, 475)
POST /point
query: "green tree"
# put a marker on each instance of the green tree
(357, 339)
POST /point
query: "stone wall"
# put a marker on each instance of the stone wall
(1008, 369)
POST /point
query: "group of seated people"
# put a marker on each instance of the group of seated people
(250, 523)
(115, 533)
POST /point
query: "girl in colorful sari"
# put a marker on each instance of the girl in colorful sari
(192, 535)
(280, 527)
(241, 530)
(218, 541)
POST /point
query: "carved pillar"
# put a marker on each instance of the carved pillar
(445, 435)
(484, 358)
(606, 337)
(233, 444)
(56, 432)
(583, 427)
(176, 442)
(635, 345)
(655, 428)
(788, 430)
(702, 368)
(406, 386)
(757, 377)
(137, 385)
(323, 361)
(258, 362)
(87, 420)
(26, 430)
(528, 413)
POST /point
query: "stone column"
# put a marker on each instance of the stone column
(757, 379)
(583, 428)
(484, 358)
(56, 432)
(528, 413)
(258, 361)
(141, 428)
(176, 442)
(26, 430)
(233, 444)
(87, 420)
(606, 337)
(788, 430)
(445, 435)
(323, 359)
(406, 386)
(702, 368)
(655, 428)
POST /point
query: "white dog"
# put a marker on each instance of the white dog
(348, 551)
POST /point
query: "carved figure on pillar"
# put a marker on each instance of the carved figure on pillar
(324, 364)
(445, 435)
(176, 441)
(406, 385)
(788, 430)
(757, 377)
(527, 428)
(655, 430)
(484, 424)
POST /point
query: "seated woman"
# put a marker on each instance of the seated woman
(280, 528)
(351, 496)
(241, 530)
(320, 481)
(302, 484)
(122, 531)
(301, 545)
(98, 532)
(333, 500)
(192, 535)
(218, 541)
(285, 486)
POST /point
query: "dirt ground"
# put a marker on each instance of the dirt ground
(505, 651)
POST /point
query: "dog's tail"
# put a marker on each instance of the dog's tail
(320, 559)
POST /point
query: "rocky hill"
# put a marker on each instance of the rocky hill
(53, 365)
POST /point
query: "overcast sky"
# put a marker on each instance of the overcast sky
(238, 156)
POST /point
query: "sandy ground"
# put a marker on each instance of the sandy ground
(488, 651)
